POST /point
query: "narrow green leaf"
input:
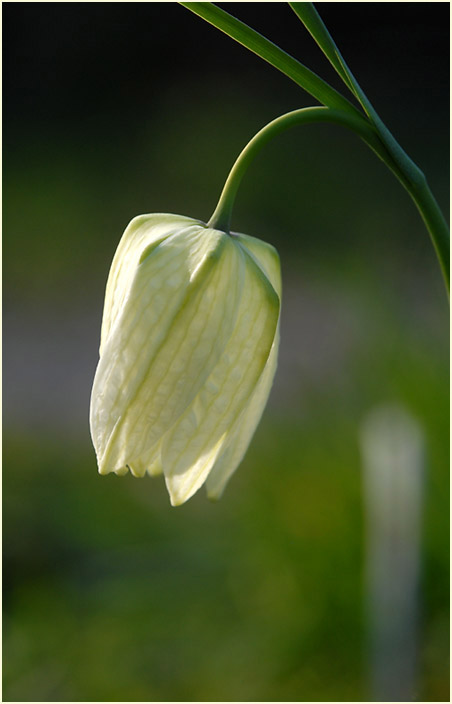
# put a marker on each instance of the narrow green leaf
(271, 53)
(307, 13)
(407, 171)
(311, 19)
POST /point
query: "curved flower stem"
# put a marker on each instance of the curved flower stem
(308, 14)
(417, 188)
(221, 217)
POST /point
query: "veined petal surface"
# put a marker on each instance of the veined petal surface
(193, 445)
(243, 429)
(188, 352)
(170, 331)
(142, 232)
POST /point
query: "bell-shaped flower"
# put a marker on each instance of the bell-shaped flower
(188, 352)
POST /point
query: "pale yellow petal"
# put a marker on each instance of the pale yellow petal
(174, 324)
(241, 433)
(243, 429)
(265, 255)
(193, 444)
(143, 232)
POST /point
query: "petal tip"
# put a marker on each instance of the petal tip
(178, 495)
(176, 500)
(103, 471)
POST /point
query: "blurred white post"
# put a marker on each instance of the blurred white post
(393, 456)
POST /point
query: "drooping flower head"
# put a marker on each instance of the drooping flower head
(188, 352)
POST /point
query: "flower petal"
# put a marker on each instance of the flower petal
(266, 257)
(243, 429)
(246, 424)
(165, 339)
(141, 233)
(192, 446)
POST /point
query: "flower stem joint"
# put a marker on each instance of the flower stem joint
(188, 352)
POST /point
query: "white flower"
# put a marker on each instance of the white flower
(188, 352)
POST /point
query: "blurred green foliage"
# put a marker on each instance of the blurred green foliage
(112, 595)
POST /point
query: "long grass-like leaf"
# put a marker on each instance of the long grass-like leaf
(271, 53)
(381, 141)
(307, 13)
(311, 19)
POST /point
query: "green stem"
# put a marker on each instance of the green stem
(308, 14)
(221, 218)
(435, 224)
(418, 190)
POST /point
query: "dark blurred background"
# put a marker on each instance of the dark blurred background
(115, 109)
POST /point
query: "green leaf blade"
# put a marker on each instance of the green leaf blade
(265, 49)
(311, 19)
